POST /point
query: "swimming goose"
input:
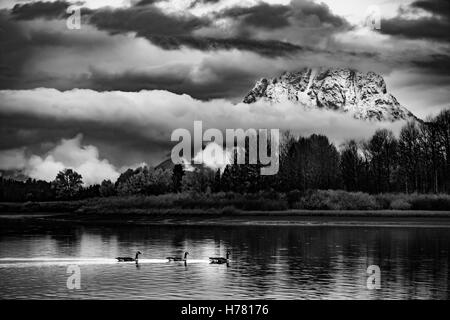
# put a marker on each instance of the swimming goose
(126, 259)
(220, 260)
(178, 258)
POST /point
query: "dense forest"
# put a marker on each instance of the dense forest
(418, 161)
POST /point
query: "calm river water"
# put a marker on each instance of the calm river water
(267, 262)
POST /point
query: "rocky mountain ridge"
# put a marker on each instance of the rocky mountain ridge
(364, 95)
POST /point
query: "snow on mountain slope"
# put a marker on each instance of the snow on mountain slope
(362, 94)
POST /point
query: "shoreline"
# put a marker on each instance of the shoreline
(167, 211)
(84, 209)
(305, 218)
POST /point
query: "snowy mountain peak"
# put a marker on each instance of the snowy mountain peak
(362, 94)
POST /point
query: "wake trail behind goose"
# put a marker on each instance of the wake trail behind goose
(44, 261)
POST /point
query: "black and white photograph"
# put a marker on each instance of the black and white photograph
(205, 151)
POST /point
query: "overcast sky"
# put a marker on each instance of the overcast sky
(93, 90)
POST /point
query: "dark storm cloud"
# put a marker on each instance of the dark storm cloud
(14, 51)
(437, 7)
(271, 48)
(263, 15)
(18, 44)
(267, 16)
(196, 2)
(432, 28)
(226, 83)
(435, 63)
(146, 2)
(423, 28)
(146, 21)
(40, 9)
(171, 32)
(305, 10)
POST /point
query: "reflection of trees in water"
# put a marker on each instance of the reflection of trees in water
(309, 257)
(265, 259)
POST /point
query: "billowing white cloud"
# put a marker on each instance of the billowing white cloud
(12, 159)
(43, 168)
(214, 157)
(153, 115)
(69, 153)
(177, 6)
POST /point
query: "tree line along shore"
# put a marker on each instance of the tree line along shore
(411, 172)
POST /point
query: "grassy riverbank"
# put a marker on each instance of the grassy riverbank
(328, 202)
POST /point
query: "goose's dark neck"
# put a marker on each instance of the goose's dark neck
(137, 256)
(228, 255)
